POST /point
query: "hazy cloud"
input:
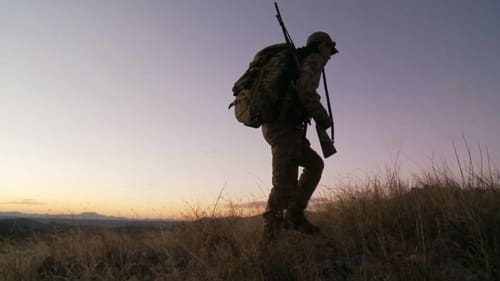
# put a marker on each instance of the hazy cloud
(29, 202)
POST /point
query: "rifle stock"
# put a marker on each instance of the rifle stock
(326, 143)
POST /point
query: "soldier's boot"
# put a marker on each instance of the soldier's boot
(273, 221)
(296, 220)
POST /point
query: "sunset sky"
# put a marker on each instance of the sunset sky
(120, 107)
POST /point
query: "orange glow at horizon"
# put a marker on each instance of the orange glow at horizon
(73, 207)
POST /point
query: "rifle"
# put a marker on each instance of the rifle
(327, 146)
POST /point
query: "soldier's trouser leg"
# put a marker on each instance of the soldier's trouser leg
(285, 173)
(286, 149)
(310, 177)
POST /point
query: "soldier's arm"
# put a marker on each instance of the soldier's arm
(306, 85)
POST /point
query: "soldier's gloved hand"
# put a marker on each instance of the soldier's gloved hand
(324, 124)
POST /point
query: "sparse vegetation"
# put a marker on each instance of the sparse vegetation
(440, 228)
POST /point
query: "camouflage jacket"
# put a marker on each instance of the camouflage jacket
(306, 85)
(303, 102)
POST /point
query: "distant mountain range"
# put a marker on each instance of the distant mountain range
(21, 225)
(85, 219)
(81, 216)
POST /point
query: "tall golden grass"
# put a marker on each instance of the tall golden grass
(441, 228)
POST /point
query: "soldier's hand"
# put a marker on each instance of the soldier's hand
(324, 124)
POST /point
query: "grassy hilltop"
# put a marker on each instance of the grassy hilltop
(439, 229)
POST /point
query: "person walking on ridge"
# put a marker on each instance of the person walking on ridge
(290, 148)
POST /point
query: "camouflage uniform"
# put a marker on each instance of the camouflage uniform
(291, 149)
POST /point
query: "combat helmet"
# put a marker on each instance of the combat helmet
(320, 36)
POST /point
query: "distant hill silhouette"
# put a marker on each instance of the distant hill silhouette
(81, 216)
(17, 225)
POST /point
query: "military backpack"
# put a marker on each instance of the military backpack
(262, 90)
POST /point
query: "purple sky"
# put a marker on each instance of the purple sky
(120, 107)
